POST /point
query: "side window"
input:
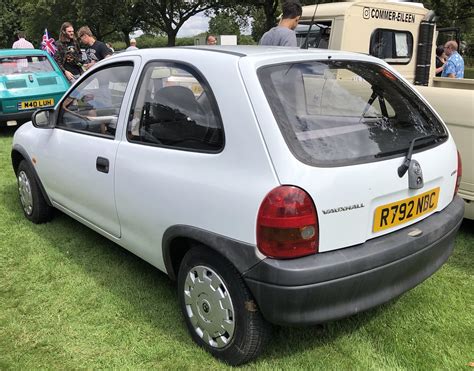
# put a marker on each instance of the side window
(94, 105)
(174, 107)
(395, 47)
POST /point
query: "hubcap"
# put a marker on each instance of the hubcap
(24, 189)
(209, 306)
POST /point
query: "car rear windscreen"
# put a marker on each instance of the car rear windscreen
(335, 113)
(24, 64)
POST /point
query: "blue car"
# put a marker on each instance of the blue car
(29, 79)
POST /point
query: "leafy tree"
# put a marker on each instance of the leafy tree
(224, 24)
(9, 22)
(169, 16)
(40, 14)
(258, 23)
(459, 13)
(111, 16)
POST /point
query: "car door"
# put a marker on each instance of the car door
(174, 128)
(79, 160)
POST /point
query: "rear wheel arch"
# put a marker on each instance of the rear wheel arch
(179, 239)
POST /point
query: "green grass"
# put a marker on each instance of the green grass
(71, 299)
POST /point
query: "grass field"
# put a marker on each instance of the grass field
(71, 299)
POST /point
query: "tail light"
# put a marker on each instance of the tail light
(287, 224)
(459, 175)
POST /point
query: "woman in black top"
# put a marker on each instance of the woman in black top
(440, 60)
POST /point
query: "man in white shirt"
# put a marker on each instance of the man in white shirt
(21, 42)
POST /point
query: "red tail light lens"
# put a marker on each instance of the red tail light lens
(459, 175)
(287, 224)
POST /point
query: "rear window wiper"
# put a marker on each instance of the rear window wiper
(402, 169)
(433, 137)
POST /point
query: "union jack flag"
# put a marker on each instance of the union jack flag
(48, 43)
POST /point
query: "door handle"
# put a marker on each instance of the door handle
(102, 164)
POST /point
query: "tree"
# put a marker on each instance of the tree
(258, 24)
(169, 16)
(458, 13)
(224, 24)
(40, 14)
(9, 22)
(106, 17)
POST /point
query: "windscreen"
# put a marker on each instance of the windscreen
(335, 113)
(24, 64)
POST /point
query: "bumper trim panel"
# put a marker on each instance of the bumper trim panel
(341, 283)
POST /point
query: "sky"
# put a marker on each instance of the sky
(194, 25)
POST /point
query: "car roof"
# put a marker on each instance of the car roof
(249, 54)
(21, 52)
(254, 52)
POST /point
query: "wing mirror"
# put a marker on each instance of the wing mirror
(43, 118)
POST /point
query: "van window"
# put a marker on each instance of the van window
(319, 36)
(393, 46)
(334, 113)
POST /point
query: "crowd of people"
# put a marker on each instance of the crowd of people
(69, 56)
(449, 62)
(73, 62)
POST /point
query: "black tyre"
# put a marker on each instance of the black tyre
(218, 308)
(35, 207)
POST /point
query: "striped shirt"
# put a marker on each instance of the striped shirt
(22, 44)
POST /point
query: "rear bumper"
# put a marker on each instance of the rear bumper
(340, 283)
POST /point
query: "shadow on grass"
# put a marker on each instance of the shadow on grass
(7, 131)
(467, 227)
(463, 254)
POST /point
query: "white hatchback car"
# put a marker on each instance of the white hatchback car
(276, 185)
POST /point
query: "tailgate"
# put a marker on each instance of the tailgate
(31, 91)
(357, 203)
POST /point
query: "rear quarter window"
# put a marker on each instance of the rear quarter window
(24, 64)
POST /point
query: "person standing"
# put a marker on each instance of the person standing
(284, 34)
(68, 56)
(109, 45)
(133, 45)
(21, 42)
(211, 40)
(96, 50)
(454, 67)
(440, 60)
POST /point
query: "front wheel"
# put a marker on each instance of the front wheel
(35, 207)
(219, 310)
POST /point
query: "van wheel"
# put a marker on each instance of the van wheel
(35, 207)
(219, 310)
